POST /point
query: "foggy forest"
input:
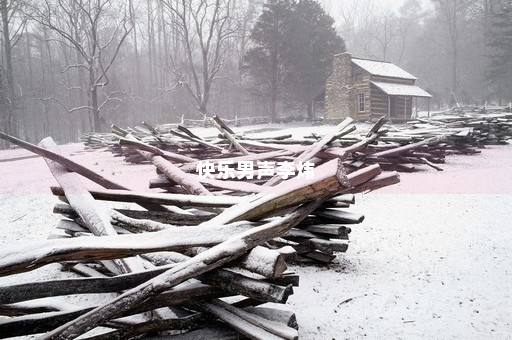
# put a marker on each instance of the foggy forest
(71, 66)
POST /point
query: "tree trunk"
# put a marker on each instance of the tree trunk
(309, 107)
(29, 60)
(454, 69)
(139, 80)
(9, 77)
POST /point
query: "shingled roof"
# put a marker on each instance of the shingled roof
(382, 68)
(401, 89)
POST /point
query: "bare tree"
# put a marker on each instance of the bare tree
(96, 30)
(13, 24)
(454, 15)
(384, 32)
(204, 28)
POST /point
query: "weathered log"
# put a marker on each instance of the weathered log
(155, 325)
(405, 148)
(333, 230)
(20, 310)
(319, 256)
(39, 323)
(328, 245)
(96, 220)
(379, 181)
(209, 331)
(206, 261)
(276, 154)
(187, 134)
(187, 181)
(242, 285)
(157, 216)
(329, 181)
(363, 175)
(311, 151)
(21, 258)
(260, 260)
(138, 145)
(266, 262)
(285, 317)
(228, 133)
(315, 148)
(340, 216)
(65, 161)
(251, 325)
(31, 324)
(36, 290)
(158, 198)
(71, 165)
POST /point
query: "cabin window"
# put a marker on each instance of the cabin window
(360, 100)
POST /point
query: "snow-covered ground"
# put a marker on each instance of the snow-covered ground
(431, 260)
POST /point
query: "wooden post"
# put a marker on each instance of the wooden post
(405, 108)
(389, 107)
(428, 108)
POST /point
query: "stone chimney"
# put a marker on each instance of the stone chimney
(339, 93)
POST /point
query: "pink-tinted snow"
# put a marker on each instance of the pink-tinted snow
(431, 259)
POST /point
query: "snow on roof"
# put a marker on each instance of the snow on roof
(401, 90)
(382, 68)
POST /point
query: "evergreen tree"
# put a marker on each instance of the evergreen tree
(293, 43)
(499, 71)
(266, 59)
(313, 42)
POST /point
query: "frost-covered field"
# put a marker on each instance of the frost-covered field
(431, 260)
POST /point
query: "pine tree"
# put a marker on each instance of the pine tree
(293, 43)
(313, 43)
(266, 59)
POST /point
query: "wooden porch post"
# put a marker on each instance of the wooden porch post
(428, 108)
(405, 108)
(389, 106)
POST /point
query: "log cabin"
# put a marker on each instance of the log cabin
(365, 89)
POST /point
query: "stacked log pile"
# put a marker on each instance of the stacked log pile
(198, 260)
(493, 128)
(407, 147)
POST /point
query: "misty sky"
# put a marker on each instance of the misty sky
(334, 5)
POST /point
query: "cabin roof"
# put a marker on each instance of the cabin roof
(382, 68)
(401, 89)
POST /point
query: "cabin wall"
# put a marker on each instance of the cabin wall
(393, 80)
(379, 102)
(362, 86)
